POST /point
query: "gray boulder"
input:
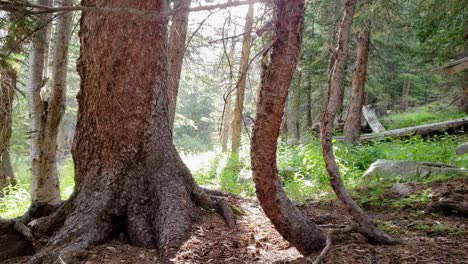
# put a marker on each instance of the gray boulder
(462, 149)
(409, 170)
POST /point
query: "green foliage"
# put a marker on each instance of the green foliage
(302, 170)
(17, 198)
(228, 173)
(235, 178)
(438, 229)
(427, 114)
(414, 200)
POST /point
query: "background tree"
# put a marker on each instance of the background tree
(177, 40)
(44, 179)
(352, 128)
(237, 118)
(365, 224)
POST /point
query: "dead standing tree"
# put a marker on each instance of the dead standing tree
(365, 224)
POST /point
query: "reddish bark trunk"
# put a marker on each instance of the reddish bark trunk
(129, 176)
(352, 128)
(177, 39)
(365, 224)
(292, 224)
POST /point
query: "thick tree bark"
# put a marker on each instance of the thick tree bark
(7, 95)
(365, 224)
(352, 128)
(177, 39)
(240, 87)
(44, 179)
(405, 95)
(129, 177)
(292, 224)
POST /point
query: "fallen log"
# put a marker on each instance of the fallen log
(371, 118)
(428, 129)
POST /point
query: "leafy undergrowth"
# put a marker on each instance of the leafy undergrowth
(302, 170)
(17, 198)
(427, 238)
(427, 114)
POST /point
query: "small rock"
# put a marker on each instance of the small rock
(401, 189)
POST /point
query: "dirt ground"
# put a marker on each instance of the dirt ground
(426, 238)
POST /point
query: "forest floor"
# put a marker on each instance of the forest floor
(427, 238)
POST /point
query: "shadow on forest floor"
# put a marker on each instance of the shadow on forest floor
(428, 238)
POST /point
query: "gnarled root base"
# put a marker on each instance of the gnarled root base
(148, 212)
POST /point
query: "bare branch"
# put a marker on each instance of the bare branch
(30, 8)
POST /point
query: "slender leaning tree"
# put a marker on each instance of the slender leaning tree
(291, 223)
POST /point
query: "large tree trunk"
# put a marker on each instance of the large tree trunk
(365, 224)
(177, 39)
(352, 128)
(7, 95)
(44, 179)
(129, 176)
(240, 87)
(292, 224)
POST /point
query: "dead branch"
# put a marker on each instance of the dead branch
(35, 9)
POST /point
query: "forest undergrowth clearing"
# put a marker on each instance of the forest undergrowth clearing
(427, 238)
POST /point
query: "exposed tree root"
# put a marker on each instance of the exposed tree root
(220, 193)
(320, 258)
(162, 221)
(456, 205)
(203, 199)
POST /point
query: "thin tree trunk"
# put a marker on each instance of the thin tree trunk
(44, 179)
(7, 95)
(228, 101)
(365, 224)
(292, 224)
(284, 121)
(8, 82)
(128, 174)
(296, 108)
(309, 122)
(405, 95)
(177, 39)
(463, 101)
(244, 67)
(352, 128)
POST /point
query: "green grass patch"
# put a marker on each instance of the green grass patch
(17, 198)
(427, 114)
